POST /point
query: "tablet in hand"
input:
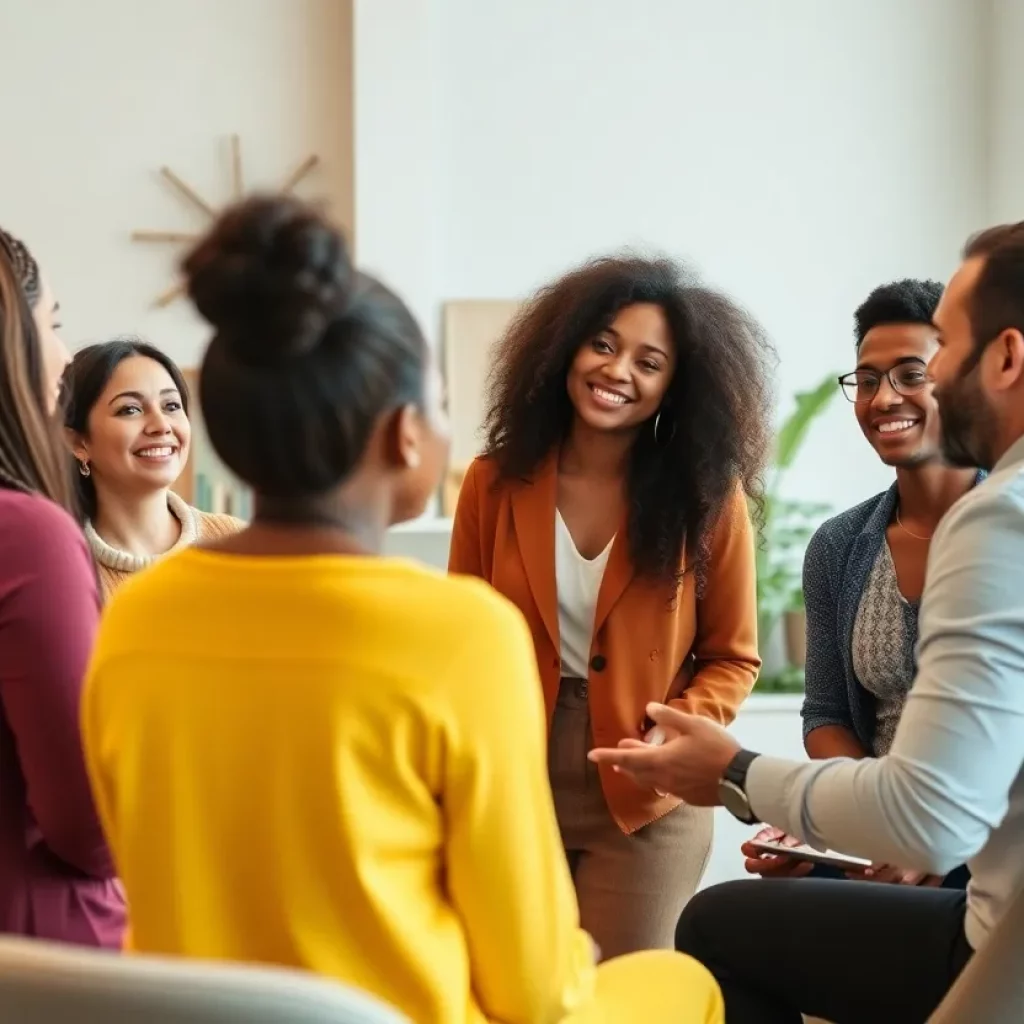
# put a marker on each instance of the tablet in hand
(830, 857)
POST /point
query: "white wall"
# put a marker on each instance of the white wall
(799, 153)
(98, 95)
(396, 192)
(1006, 112)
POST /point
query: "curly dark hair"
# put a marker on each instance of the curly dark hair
(719, 402)
(903, 302)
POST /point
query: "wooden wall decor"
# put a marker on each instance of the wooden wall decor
(470, 330)
(189, 194)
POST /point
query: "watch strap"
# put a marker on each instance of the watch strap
(736, 772)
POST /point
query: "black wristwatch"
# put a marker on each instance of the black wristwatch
(732, 788)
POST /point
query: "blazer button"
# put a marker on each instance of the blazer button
(598, 662)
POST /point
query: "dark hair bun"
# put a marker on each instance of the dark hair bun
(270, 276)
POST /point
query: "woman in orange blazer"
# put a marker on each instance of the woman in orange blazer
(629, 419)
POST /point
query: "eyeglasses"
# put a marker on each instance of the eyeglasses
(904, 379)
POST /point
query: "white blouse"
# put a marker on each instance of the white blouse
(578, 581)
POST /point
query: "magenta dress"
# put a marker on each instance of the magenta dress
(57, 878)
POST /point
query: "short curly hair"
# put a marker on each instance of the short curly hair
(909, 301)
(719, 402)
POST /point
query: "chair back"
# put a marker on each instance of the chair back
(47, 983)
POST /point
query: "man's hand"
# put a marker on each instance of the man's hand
(688, 764)
(886, 873)
(656, 736)
(771, 865)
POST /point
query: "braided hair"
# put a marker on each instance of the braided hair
(25, 267)
(31, 456)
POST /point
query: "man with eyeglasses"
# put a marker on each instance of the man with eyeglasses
(864, 568)
(908, 377)
(951, 787)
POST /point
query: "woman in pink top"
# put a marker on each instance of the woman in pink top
(57, 879)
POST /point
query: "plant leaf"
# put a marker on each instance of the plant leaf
(809, 405)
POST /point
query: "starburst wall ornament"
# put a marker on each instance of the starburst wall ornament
(190, 195)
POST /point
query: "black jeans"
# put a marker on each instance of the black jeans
(956, 879)
(850, 952)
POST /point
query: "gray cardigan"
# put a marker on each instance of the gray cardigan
(836, 569)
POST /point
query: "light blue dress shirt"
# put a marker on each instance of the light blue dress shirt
(950, 789)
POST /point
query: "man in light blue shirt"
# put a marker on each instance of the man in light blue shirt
(951, 788)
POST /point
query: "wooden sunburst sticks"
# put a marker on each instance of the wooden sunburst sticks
(193, 198)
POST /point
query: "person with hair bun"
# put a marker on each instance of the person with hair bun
(57, 878)
(295, 751)
(628, 424)
(125, 408)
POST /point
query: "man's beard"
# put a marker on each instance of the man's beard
(968, 423)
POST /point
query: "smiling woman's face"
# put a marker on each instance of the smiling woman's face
(619, 378)
(903, 429)
(139, 434)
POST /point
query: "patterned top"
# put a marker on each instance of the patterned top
(884, 635)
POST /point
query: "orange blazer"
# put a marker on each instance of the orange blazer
(642, 640)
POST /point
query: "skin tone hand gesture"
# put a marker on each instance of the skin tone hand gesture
(768, 865)
(895, 876)
(692, 756)
(655, 737)
(688, 764)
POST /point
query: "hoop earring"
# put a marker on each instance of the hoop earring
(672, 431)
(84, 468)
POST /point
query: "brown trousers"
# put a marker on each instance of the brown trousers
(631, 888)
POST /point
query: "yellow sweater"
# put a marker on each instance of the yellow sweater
(337, 763)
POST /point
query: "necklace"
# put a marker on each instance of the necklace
(910, 533)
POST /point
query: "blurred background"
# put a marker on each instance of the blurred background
(797, 154)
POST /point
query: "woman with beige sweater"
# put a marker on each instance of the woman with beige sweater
(125, 406)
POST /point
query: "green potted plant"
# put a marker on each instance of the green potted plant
(788, 526)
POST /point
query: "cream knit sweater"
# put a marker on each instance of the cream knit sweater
(115, 566)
